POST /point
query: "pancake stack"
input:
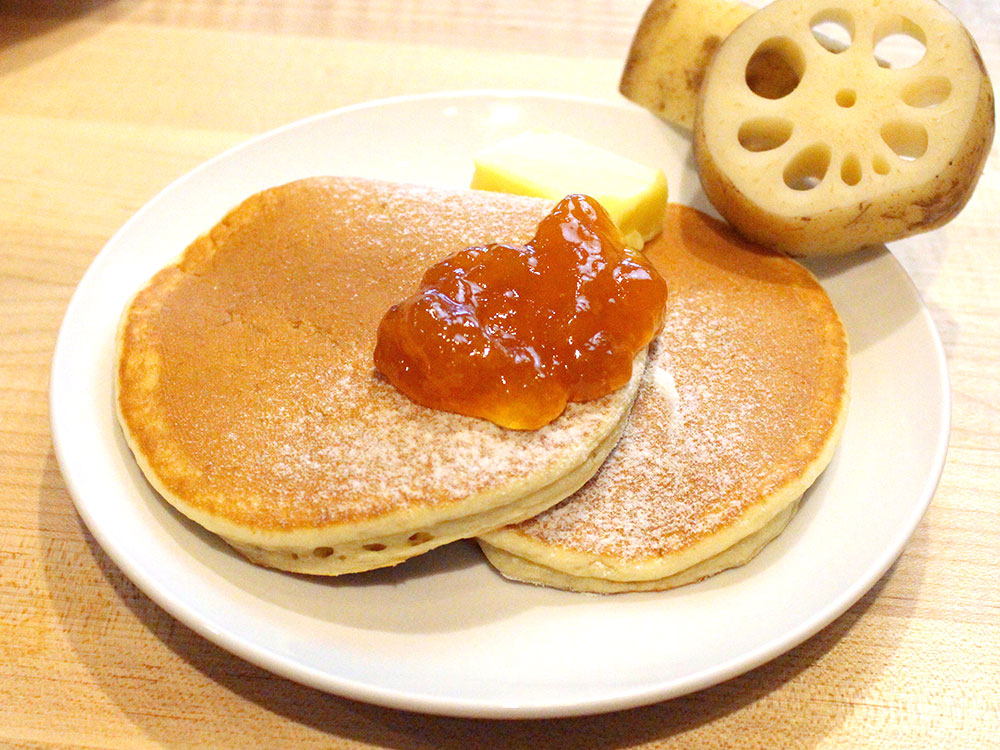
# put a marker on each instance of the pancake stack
(246, 390)
(739, 410)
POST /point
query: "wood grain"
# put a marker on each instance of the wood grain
(104, 103)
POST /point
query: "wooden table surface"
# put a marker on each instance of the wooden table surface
(102, 103)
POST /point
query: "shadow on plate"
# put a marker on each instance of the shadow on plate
(407, 598)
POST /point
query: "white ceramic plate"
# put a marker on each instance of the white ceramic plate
(444, 633)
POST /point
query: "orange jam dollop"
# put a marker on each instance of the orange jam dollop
(513, 333)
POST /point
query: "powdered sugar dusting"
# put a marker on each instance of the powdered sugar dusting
(733, 405)
(661, 380)
(391, 453)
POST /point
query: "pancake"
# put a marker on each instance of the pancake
(246, 389)
(740, 409)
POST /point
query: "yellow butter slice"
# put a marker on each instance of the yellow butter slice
(546, 164)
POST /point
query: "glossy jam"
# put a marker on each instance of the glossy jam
(513, 333)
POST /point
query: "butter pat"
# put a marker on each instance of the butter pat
(545, 164)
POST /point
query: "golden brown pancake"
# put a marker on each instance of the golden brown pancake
(246, 389)
(740, 409)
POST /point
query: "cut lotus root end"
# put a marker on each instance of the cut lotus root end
(828, 125)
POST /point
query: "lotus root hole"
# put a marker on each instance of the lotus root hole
(833, 29)
(850, 170)
(908, 140)
(775, 69)
(420, 537)
(926, 92)
(846, 98)
(764, 133)
(899, 43)
(374, 547)
(323, 551)
(807, 168)
(880, 165)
